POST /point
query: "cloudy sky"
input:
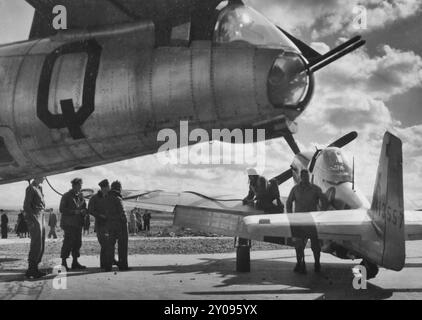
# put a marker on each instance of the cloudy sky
(372, 90)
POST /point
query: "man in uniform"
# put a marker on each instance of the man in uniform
(73, 209)
(306, 197)
(4, 225)
(262, 193)
(133, 227)
(97, 207)
(117, 228)
(52, 223)
(147, 220)
(34, 206)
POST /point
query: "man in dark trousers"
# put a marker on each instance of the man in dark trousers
(4, 225)
(73, 210)
(52, 223)
(147, 218)
(97, 208)
(117, 228)
(34, 207)
(306, 197)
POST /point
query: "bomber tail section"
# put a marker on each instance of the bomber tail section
(387, 212)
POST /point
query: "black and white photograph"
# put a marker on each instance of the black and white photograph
(206, 150)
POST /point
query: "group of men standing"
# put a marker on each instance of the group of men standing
(138, 221)
(305, 196)
(111, 225)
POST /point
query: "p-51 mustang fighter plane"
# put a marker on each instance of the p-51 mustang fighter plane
(353, 228)
(101, 91)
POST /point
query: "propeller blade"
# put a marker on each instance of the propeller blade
(308, 52)
(292, 143)
(340, 143)
(286, 175)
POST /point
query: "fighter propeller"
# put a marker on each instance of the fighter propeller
(339, 143)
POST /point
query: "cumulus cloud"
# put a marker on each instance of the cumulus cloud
(368, 83)
(352, 95)
(327, 17)
(389, 73)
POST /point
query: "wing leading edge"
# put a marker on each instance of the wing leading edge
(346, 225)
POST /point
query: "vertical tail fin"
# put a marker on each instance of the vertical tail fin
(387, 210)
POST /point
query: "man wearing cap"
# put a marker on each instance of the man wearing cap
(97, 207)
(34, 206)
(117, 228)
(306, 197)
(262, 193)
(73, 209)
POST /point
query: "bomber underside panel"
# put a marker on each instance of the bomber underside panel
(83, 14)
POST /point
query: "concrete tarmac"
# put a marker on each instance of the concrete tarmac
(213, 276)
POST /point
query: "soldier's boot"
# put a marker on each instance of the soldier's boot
(64, 264)
(34, 273)
(302, 269)
(299, 258)
(76, 265)
(41, 274)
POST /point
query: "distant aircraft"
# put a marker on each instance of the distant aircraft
(101, 91)
(352, 229)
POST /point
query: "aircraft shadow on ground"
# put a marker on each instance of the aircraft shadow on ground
(334, 282)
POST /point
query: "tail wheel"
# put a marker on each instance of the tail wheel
(371, 269)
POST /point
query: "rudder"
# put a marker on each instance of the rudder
(387, 210)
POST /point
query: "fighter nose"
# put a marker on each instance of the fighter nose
(289, 82)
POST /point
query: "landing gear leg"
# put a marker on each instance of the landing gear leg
(371, 269)
(243, 256)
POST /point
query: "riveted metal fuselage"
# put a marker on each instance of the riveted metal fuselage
(84, 99)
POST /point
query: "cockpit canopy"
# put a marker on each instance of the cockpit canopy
(334, 166)
(239, 23)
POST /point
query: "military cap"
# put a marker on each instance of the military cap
(252, 172)
(104, 183)
(76, 181)
(116, 185)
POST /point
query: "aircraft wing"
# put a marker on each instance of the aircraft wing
(340, 225)
(225, 216)
(167, 202)
(85, 14)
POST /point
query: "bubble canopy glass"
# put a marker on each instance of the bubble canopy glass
(239, 23)
(336, 166)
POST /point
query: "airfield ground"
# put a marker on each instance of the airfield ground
(186, 266)
(191, 276)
